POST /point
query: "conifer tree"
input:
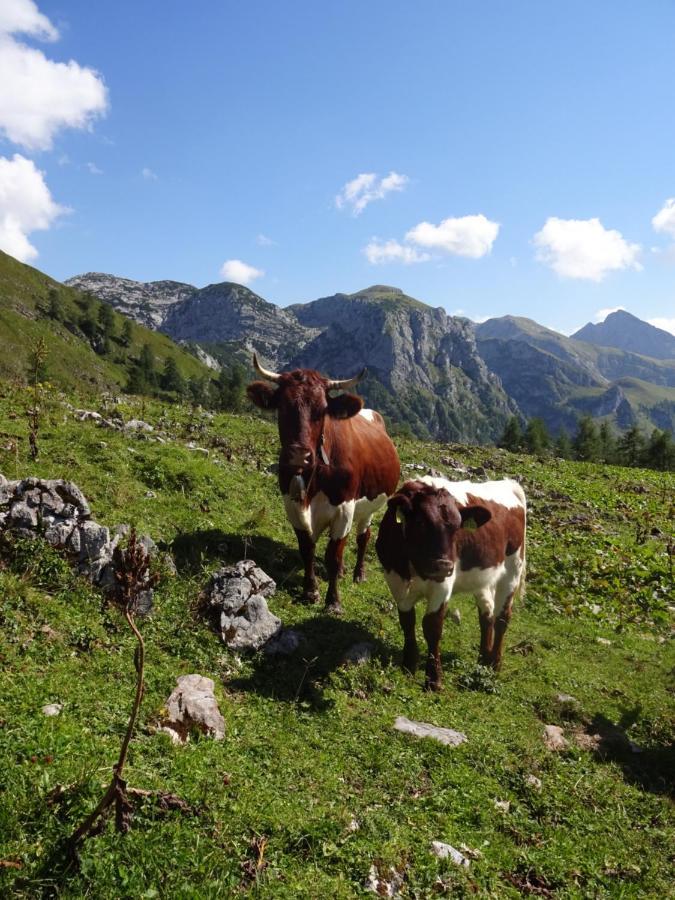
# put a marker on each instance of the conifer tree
(631, 447)
(537, 438)
(512, 436)
(586, 442)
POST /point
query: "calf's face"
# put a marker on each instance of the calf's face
(430, 521)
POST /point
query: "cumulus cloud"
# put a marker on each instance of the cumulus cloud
(148, 174)
(584, 248)
(263, 241)
(664, 220)
(602, 314)
(365, 188)
(26, 205)
(664, 323)
(380, 252)
(240, 272)
(38, 96)
(471, 236)
(23, 17)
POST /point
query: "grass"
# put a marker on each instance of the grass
(311, 781)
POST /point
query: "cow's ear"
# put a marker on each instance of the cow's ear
(263, 395)
(474, 516)
(400, 506)
(344, 406)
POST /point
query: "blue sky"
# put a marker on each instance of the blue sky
(216, 132)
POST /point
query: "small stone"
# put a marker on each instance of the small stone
(503, 805)
(358, 654)
(384, 886)
(446, 736)
(566, 699)
(446, 851)
(603, 641)
(192, 705)
(554, 737)
(138, 425)
(354, 825)
(533, 782)
(52, 709)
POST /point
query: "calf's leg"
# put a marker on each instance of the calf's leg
(432, 626)
(361, 545)
(334, 552)
(310, 591)
(501, 624)
(410, 652)
(486, 618)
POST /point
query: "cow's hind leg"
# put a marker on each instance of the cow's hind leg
(334, 552)
(411, 654)
(310, 591)
(361, 545)
(432, 626)
(504, 594)
(485, 600)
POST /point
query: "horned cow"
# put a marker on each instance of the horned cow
(440, 537)
(337, 466)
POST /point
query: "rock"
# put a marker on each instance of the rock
(192, 446)
(503, 805)
(446, 736)
(235, 595)
(358, 654)
(603, 641)
(533, 782)
(566, 700)
(22, 516)
(283, 643)
(52, 709)
(554, 738)
(87, 415)
(138, 425)
(192, 705)
(446, 851)
(388, 885)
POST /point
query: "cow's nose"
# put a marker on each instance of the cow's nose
(444, 567)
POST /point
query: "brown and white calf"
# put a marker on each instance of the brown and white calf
(439, 538)
(337, 466)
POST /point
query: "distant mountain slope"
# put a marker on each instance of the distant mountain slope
(145, 302)
(72, 363)
(625, 331)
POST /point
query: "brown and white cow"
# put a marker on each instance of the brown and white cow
(337, 466)
(440, 537)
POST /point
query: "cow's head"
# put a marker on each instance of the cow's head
(303, 402)
(430, 520)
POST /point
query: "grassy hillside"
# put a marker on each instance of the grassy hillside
(72, 363)
(311, 787)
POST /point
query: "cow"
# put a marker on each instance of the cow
(440, 537)
(337, 466)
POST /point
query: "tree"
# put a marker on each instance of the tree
(127, 333)
(146, 363)
(55, 309)
(660, 451)
(586, 442)
(171, 379)
(563, 445)
(106, 319)
(607, 444)
(631, 447)
(198, 390)
(537, 438)
(512, 436)
(230, 388)
(142, 376)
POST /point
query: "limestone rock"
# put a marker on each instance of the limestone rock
(447, 736)
(192, 705)
(446, 851)
(554, 737)
(235, 599)
(358, 654)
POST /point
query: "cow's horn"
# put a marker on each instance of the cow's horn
(346, 383)
(266, 373)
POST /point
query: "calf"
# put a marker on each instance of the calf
(440, 537)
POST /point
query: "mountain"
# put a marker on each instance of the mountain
(77, 358)
(559, 378)
(625, 331)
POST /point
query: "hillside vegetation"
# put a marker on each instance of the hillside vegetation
(311, 790)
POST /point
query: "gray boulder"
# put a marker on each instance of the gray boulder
(235, 600)
(192, 706)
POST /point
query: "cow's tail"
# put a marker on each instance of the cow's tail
(520, 494)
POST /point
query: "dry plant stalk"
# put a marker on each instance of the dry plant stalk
(132, 582)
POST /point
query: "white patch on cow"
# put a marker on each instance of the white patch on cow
(506, 492)
(364, 511)
(368, 414)
(407, 593)
(341, 521)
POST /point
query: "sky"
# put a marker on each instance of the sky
(491, 158)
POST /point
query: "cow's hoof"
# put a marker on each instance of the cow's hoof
(311, 597)
(409, 664)
(434, 686)
(334, 608)
(359, 576)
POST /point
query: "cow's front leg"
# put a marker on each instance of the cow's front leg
(310, 590)
(334, 552)
(411, 654)
(361, 545)
(501, 624)
(486, 619)
(432, 625)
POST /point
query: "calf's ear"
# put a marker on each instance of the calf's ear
(399, 505)
(263, 395)
(474, 516)
(344, 406)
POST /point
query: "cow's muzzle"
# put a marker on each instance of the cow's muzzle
(439, 569)
(297, 458)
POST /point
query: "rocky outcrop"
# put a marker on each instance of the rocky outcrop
(234, 599)
(145, 302)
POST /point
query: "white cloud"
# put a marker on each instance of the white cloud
(93, 169)
(471, 236)
(26, 205)
(664, 220)
(23, 17)
(365, 188)
(602, 314)
(665, 323)
(148, 174)
(583, 248)
(380, 252)
(263, 241)
(240, 272)
(38, 96)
